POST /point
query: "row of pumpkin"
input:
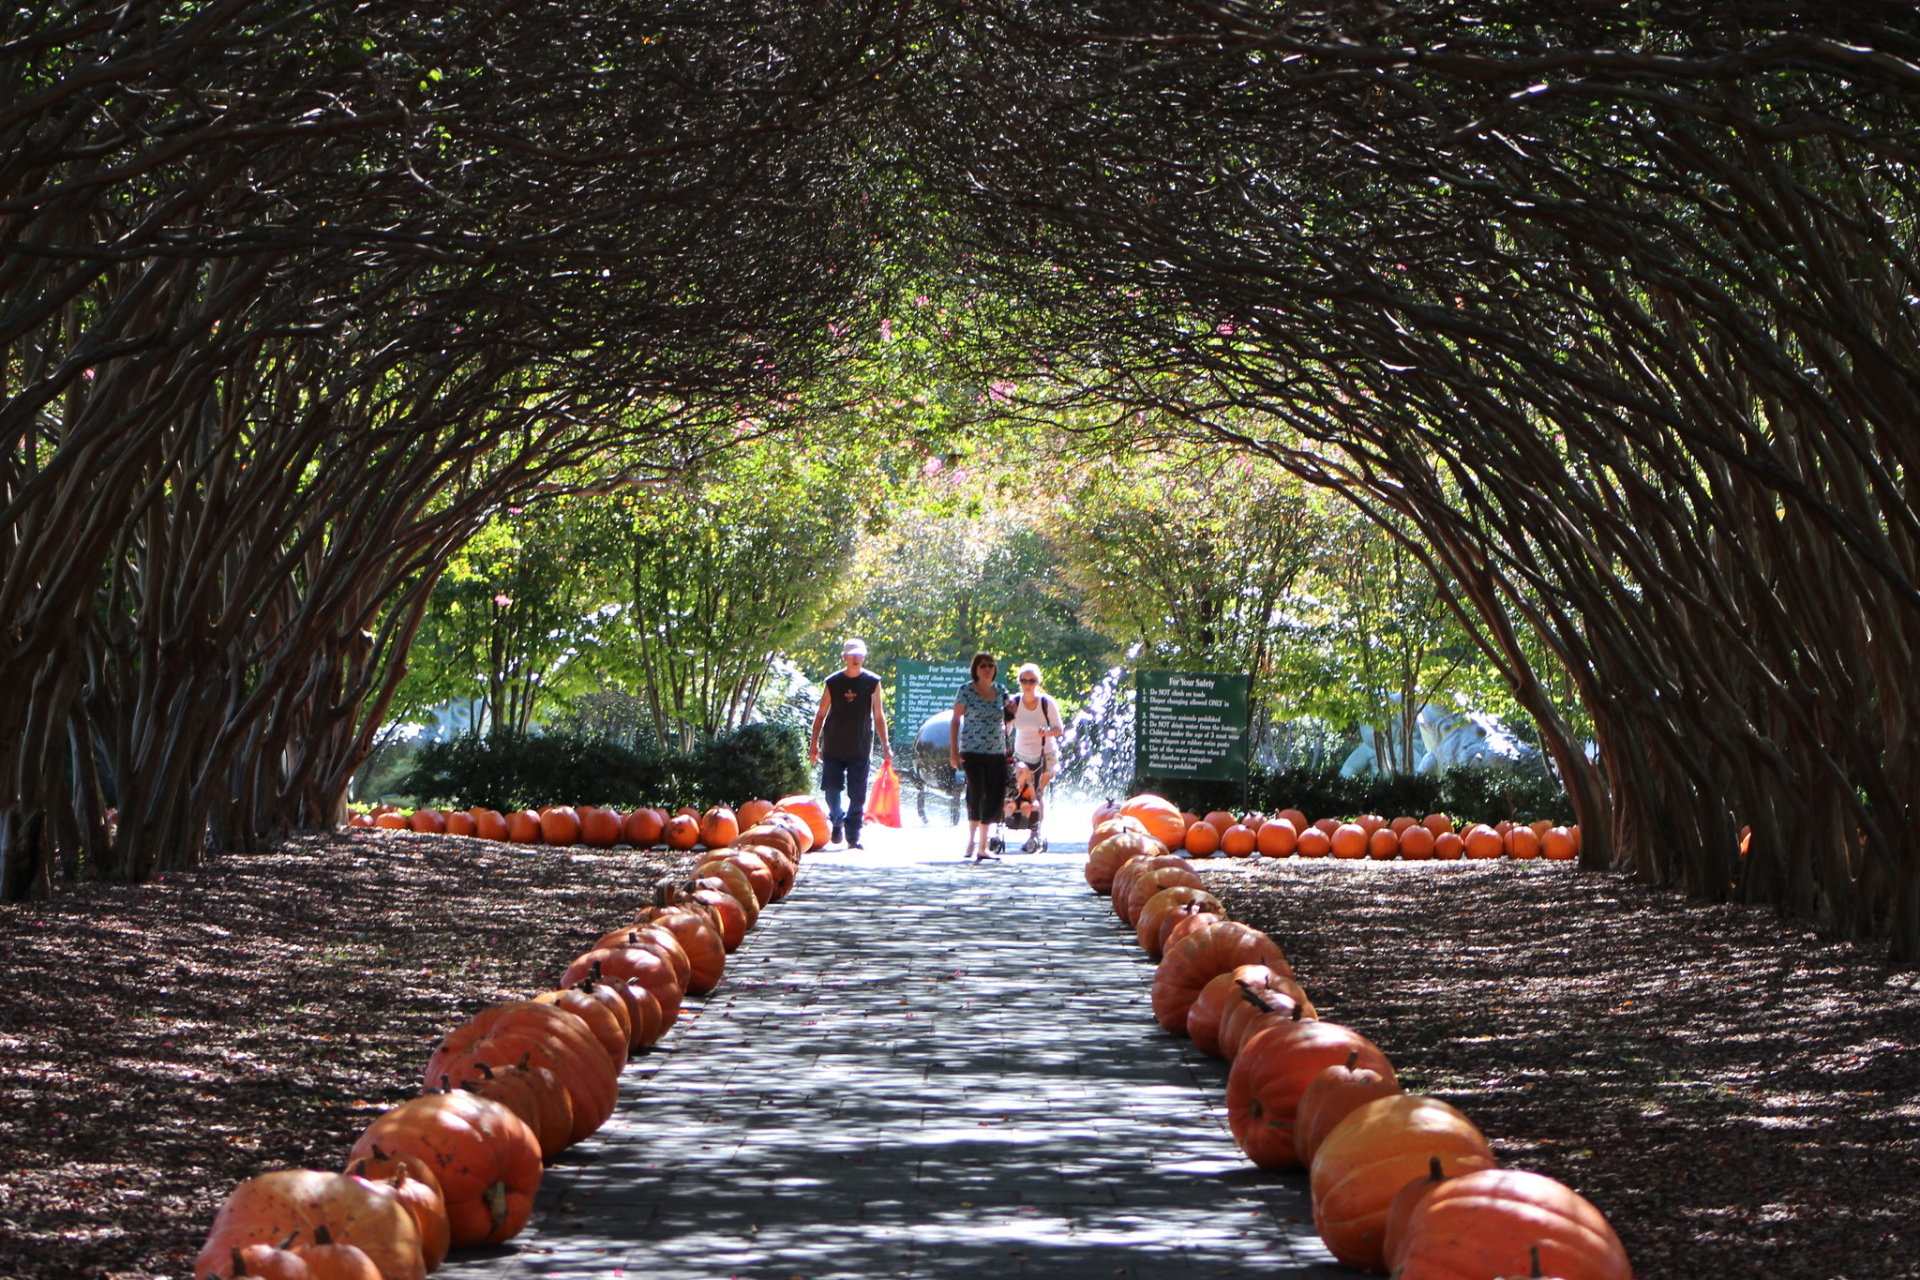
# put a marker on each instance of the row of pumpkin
(510, 1088)
(1289, 834)
(1401, 1182)
(566, 825)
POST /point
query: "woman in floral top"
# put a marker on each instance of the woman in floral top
(977, 743)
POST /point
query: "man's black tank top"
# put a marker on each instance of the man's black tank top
(848, 732)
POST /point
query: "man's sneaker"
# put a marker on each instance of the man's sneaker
(837, 836)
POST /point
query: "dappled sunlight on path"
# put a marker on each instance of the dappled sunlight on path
(920, 1068)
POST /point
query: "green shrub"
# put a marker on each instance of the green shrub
(754, 762)
(525, 771)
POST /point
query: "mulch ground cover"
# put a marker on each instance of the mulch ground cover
(1741, 1098)
(161, 1043)
(1738, 1096)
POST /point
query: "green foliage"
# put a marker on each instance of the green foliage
(954, 573)
(1467, 793)
(510, 771)
(754, 762)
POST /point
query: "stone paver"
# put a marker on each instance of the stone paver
(925, 1069)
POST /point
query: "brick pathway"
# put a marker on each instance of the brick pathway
(919, 1068)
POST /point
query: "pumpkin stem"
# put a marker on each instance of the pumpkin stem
(1534, 1249)
(1435, 1175)
(1352, 1058)
(239, 1265)
(321, 1235)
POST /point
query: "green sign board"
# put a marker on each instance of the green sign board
(921, 689)
(1190, 725)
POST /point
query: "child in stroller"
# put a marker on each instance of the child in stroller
(1026, 783)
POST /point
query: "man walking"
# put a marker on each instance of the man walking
(844, 727)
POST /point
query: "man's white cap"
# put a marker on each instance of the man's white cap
(854, 649)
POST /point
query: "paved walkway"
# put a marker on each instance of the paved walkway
(919, 1068)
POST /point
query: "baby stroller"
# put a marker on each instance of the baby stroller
(1024, 808)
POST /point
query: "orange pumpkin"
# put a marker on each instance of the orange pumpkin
(631, 963)
(1483, 841)
(560, 825)
(265, 1261)
(1277, 838)
(1159, 816)
(1132, 869)
(408, 1180)
(1297, 818)
(523, 827)
(1271, 1072)
(1492, 1222)
(1202, 840)
(753, 812)
(1201, 956)
(608, 1028)
(274, 1206)
(392, 822)
(331, 1259)
(644, 827)
(1416, 843)
(601, 828)
(1219, 820)
(718, 827)
(1349, 840)
(489, 824)
(1401, 824)
(428, 821)
(1438, 823)
(732, 873)
(458, 822)
(1158, 913)
(810, 811)
(1523, 844)
(1557, 845)
(1106, 857)
(1364, 1162)
(531, 1092)
(1313, 843)
(1219, 1000)
(1239, 841)
(1448, 846)
(1153, 880)
(1266, 997)
(682, 832)
(705, 950)
(1331, 1096)
(517, 1030)
(1383, 845)
(485, 1156)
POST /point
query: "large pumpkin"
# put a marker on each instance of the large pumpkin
(1231, 996)
(485, 1156)
(1161, 818)
(1334, 1094)
(1239, 841)
(1121, 890)
(1379, 1148)
(560, 825)
(1491, 1222)
(752, 812)
(1106, 856)
(1160, 912)
(531, 1092)
(611, 1029)
(642, 965)
(270, 1208)
(1277, 838)
(1271, 1072)
(514, 1030)
(460, 823)
(718, 826)
(601, 828)
(1152, 881)
(1198, 958)
(810, 811)
(489, 824)
(705, 949)
(1266, 996)
(683, 831)
(408, 1180)
(644, 826)
(1202, 840)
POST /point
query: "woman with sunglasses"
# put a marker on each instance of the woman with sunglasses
(977, 743)
(1036, 754)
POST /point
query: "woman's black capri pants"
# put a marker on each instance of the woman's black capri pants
(986, 785)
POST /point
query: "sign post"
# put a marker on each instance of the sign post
(1191, 725)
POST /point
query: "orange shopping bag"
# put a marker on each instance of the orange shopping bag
(883, 800)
